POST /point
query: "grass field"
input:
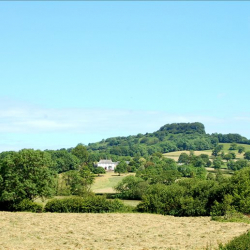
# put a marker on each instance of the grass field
(175, 155)
(112, 231)
(106, 182)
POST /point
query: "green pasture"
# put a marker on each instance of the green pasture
(175, 155)
(106, 182)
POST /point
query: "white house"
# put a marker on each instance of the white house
(107, 164)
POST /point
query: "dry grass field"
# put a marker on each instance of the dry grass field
(112, 231)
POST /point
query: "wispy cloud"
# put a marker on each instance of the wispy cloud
(75, 125)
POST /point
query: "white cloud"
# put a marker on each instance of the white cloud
(67, 127)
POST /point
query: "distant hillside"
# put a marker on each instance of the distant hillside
(169, 138)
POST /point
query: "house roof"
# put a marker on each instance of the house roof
(106, 162)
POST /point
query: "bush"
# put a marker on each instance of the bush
(239, 243)
(131, 187)
(29, 206)
(91, 204)
(232, 216)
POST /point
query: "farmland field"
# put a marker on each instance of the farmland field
(175, 155)
(112, 231)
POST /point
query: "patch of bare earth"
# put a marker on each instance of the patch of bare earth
(112, 231)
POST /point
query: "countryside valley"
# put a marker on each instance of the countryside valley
(176, 188)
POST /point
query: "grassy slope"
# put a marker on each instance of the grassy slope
(106, 182)
(226, 146)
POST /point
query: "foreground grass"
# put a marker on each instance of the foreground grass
(113, 231)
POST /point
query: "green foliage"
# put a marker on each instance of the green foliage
(188, 128)
(131, 187)
(121, 168)
(26, 175)
(230, 138)
(232, 216)
(237, 165)
(217, 163)
(194, 197)
(189, 197)
(241, 242)
(171, 137)
(247, 155)
(183, 158)
(81, 153)
(216, 150)
(228, 157)
(63, 161)
(89, 204)
(233, 146)
(28, 206)
(75, 182)
(240, 189)
(99, 170)
(241, 149)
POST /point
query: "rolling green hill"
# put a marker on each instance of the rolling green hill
(169, 138)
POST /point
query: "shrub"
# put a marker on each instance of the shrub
(232, 216)
(239, 243)
(91, 204)
(29, 206)
(131, 187)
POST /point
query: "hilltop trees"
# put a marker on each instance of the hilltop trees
(188, 128)
(169, 138)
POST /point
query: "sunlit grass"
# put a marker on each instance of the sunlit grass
(175, 155)
(107, 182)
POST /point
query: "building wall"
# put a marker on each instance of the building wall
(110, 166)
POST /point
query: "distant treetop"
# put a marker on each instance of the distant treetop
(187, 128)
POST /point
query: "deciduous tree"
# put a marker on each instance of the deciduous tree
(121, 168)
(26, 175)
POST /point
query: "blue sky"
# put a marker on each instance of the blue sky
(78, 72)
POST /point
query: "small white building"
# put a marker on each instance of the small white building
(108, 165)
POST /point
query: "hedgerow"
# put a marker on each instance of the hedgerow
(91, 204)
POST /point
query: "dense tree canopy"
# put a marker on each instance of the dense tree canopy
(80, 151)
(26, 175)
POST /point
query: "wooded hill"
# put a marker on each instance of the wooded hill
(169, 138)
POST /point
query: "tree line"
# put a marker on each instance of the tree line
(169, 138)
